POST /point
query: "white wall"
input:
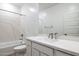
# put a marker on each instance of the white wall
(59, 16)
(30, 20)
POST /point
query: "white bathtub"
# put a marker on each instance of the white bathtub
(6, 48)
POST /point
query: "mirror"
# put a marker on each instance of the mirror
(62, 18)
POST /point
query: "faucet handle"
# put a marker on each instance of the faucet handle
(22, 35)
(50, 35)
(65, 34)
(56, 33)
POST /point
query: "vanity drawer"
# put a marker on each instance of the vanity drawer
(43, 49)
(28, 51)
(60, 53)
(35, 52)
(42, 54)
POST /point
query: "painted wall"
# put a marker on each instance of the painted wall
(61, 18)
(30, 22)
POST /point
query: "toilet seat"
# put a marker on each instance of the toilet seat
(21, 48)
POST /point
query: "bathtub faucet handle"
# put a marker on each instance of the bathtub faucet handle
(22, 35)
(21, 38)
(65, 34)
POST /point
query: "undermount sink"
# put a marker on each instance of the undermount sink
(44, 38)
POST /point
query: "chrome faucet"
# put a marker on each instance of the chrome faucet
(55, 35)
(50, 35)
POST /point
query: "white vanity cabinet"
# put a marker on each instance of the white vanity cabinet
(43, 50)
(42, 54)
(37, 49)
(29, 48)
(60, 53)
(35, 52)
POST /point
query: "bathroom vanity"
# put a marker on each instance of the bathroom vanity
(43, 46)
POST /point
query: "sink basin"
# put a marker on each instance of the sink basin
(45, 39)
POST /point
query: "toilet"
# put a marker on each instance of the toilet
(20, 50)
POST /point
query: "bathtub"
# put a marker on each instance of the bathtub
(6, 48)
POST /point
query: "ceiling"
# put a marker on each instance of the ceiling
(43, 6)
(18, 4)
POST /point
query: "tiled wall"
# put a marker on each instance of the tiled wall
(30, 22)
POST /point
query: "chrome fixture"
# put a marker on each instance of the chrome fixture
(65, 34)
(21, 38)
(55, 35)
(50, 35)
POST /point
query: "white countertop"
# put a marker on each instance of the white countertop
(71, 47)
